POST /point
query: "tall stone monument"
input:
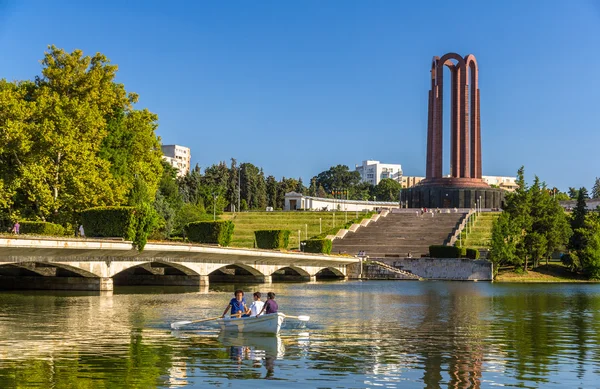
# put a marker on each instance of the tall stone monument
(463, 187)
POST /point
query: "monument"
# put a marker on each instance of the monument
(463, 187)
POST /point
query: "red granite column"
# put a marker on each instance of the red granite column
(428, 170)
(462, 122)
(438, 136)
(454, 134)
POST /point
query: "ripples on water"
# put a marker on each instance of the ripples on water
(361, 334)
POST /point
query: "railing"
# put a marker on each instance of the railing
(459, 228)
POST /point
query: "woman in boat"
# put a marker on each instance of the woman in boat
(256, 306)
(270, 305)
(237, 304)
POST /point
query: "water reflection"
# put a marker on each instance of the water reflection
(433, 335)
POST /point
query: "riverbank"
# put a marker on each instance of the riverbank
(553, 272)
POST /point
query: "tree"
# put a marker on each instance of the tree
(271, 187)
(388, 190)
(518, 207)
(312, 189)
(578, 240)
(505, 237)
(338, 177)
(596, 188)
(573, 193)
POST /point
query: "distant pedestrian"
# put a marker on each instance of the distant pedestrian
(81, 231)
(16, 228)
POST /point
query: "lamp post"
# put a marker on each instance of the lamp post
(299, 238)
(480, 205)
(215, 196)
(320, 227)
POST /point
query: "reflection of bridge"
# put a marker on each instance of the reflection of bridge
(32, 263)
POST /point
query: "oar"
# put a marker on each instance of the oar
(178, 324)
(301, 318)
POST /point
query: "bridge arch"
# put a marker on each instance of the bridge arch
(44, 269)
(330, 273)
(237, 272)
(290, 273)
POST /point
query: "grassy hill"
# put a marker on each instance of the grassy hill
(248, 222)
(481, 234)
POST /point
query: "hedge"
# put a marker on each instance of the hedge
(215, 232)
(109, 222)
(41, 228)
(317, 246)
(438, 251)
(472, 254)
(272, 239)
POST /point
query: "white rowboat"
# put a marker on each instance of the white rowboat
(264, 324)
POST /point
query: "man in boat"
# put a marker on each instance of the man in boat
(270, 305)
(237, 304)
(256, 306)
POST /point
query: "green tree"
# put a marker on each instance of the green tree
(518, 207)
(388, 190)
(505, 238)
(596, 188)
(271, 192)
(232, 184)
(339, 177)
(573, 193)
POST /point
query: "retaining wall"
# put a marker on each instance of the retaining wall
(456, 269)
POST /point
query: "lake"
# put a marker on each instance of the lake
(361, 335)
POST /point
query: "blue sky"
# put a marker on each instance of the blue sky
(298, 86)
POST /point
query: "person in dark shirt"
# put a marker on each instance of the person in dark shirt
(270, 305)
(237, 304)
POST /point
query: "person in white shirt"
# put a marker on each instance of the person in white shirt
(256, 305)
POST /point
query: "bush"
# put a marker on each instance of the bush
(317, 246)
(109, 222)
(272, 239)
(472, 254)
(439, 251)
(41, 228)
(129, 223)
(216, 232)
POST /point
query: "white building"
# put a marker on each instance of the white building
(375, 171)
(294, 201)
(179, 157)
(507, 183)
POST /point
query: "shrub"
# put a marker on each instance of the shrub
(439, 251)
(216, 232)
(129, 223)
(317, 246)
(272, 239)
(41, 228)
(109, 222)
(472, 254)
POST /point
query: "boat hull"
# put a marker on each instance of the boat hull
(264, 324)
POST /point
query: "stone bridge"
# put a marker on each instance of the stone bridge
(78, 264)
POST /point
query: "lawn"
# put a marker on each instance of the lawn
(553, 272)
(305, 222)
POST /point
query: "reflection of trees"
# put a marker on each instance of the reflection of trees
(539, 330)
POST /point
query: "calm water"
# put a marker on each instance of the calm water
(362, 335)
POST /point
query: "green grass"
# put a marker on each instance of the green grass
(553, 272)
(481, 234)
(248, 222)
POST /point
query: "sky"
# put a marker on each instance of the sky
(298, 86)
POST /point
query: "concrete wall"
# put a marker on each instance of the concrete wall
(318, 203)
(457, 269)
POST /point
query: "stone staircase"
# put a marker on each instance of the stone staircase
(397, 234)
(395, 270)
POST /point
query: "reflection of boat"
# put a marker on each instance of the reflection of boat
(265, 324)
(271, 345)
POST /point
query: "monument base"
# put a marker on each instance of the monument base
(433, 196)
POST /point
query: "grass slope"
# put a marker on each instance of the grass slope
(553, 272)
(481, 234)
(248, 222)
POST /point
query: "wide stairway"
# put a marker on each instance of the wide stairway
(398, 234)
